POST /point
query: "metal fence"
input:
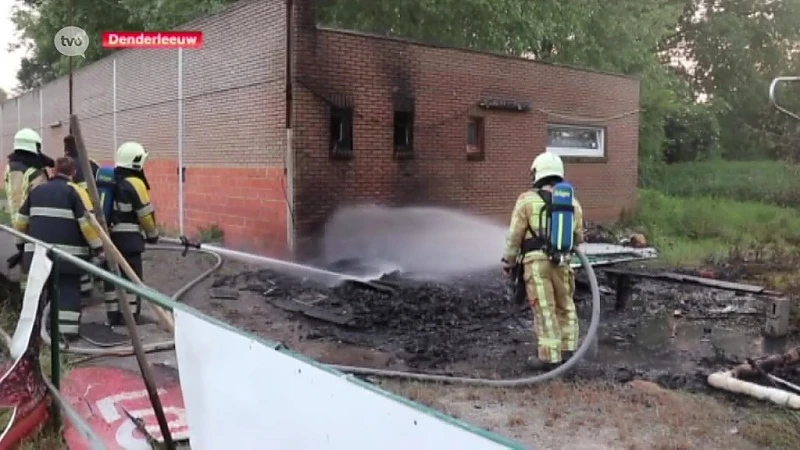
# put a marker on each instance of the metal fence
(58, 257)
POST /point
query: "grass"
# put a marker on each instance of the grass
(702, 212)
(754, 181)
(559, 414)
(211, 234)
(774, 429)
(688, 230)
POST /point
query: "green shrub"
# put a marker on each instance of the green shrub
(755, 181)
(687, 230)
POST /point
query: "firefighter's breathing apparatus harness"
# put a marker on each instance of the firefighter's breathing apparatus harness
(545, 239)
(553, 237)
(184, 245)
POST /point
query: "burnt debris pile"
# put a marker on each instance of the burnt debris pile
(427, 323)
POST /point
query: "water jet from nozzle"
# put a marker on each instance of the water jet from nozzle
(326, 277)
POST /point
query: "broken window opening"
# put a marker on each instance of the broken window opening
(404, 133)
(341, 132)
(475, 139)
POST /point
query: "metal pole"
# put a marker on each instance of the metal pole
(71, 23)
(127, 315)
(289, 134)
(19, 121)
(41, 116)
(114, 100)
(772, 95)
(180, 141)
(55, 330)
(55, 334)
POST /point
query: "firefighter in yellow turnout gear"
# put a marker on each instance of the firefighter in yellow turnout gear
(549, 285)
(131, 222)
(26, 169)
(71, 150)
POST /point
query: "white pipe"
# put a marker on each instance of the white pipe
(180, 141)
(726, 381)
(114, 101)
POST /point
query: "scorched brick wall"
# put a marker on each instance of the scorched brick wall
(366, 72)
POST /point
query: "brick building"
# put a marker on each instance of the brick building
(373, 119)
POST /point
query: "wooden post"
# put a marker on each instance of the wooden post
(127, 315)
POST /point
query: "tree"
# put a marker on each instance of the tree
(738, 47)
(37, 22)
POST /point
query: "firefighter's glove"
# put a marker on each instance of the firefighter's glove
(14, 260)
(508, 267)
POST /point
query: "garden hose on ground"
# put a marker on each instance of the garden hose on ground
(586, 344)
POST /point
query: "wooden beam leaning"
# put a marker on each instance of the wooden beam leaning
(108, 245)
(127, 315)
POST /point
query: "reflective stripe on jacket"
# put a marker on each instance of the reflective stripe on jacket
(55, 213)
(133, 216)
(20, 179)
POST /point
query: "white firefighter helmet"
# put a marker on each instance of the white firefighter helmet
(131, 155)
(547, 165)
(27, 140)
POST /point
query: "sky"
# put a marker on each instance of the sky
(9, 61)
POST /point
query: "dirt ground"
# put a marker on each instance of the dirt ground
(670, 336)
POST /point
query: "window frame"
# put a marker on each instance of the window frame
(403, 151)
(345, 114)
(476, 151)
(598, 154)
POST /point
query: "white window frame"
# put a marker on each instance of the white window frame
(573, 152)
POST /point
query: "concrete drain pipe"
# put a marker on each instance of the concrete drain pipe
(218, 254)
(732, 380)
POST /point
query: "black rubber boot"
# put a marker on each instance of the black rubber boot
(535, 363)
(114, 319)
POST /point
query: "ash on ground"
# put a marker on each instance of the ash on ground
(675, 334)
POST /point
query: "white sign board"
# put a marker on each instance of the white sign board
(239, 393)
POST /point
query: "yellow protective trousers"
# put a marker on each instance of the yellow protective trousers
(550, 290)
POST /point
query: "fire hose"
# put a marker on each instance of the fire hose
(218, 253)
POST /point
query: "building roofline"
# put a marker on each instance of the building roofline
(434, 45)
